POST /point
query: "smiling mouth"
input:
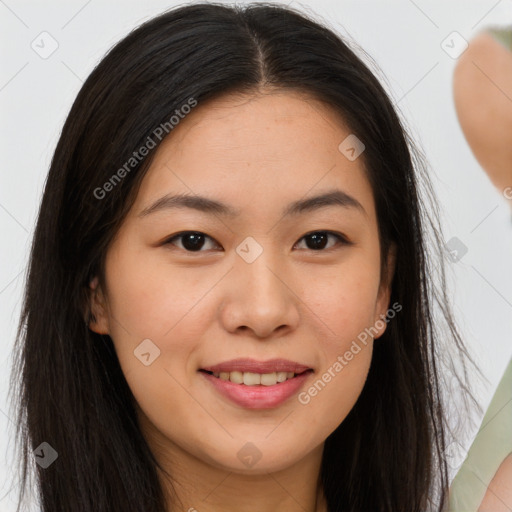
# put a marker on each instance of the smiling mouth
(256, 379)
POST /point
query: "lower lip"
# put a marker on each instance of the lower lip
(258, 397)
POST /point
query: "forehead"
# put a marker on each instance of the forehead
(279, 125)
(256, 151)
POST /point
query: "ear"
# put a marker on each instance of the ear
(384, 295)
(98, 321)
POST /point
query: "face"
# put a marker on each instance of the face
(258, 283)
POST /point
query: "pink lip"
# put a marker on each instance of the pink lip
(251, 365)
(258, 397)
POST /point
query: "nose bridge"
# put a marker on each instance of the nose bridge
(261, 299)
(258, 269)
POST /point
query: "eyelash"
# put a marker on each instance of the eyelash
(342, 240)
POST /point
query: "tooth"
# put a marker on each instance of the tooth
(254, 379)
(236, 377)
(269, 379)
(251, 379)
(281, 376)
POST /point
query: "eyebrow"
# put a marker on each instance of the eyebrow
(334, 197)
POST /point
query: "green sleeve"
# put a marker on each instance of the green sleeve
(503, 35)
(492, 444)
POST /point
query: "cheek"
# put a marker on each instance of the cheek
(150, 298)
(345, 362)
(150, 301)
(345, 304)
(344, 299)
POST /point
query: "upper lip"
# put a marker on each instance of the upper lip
(252, 365)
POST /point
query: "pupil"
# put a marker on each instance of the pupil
(193, 241)
(319, 240)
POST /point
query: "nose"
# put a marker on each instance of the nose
(260, 299)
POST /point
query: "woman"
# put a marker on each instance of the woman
(229, 303)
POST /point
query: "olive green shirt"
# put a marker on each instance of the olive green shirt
(492, 444)
(503, 35)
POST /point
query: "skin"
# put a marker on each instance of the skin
(482, 89)
(498, 497)
(256, 153)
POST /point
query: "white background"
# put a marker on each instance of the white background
(402, 36)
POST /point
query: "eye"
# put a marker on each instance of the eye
(193, 241)
(318, 239)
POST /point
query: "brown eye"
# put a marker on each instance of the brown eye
(191, 241)
(195, 241)
(318, 240)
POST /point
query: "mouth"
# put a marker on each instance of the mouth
(253, 384)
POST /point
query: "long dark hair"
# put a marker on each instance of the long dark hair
(69, 389)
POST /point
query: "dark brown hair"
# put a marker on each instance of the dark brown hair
(70, 391)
